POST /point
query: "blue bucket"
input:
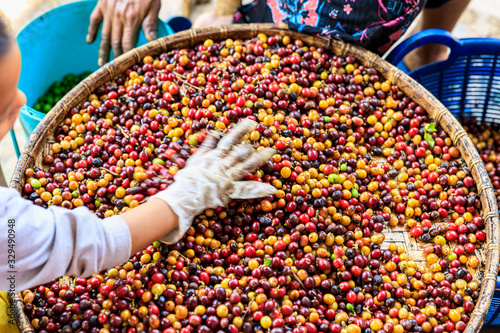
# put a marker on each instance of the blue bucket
(54, 45)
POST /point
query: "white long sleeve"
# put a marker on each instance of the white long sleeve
(53, 242)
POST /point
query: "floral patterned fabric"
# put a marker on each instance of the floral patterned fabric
(373, 24)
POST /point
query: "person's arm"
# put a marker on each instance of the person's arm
(443, 16)
(207, 20)
(149, 222)
(121, 22)
(223, 14)
(436, 16)
(49, 243)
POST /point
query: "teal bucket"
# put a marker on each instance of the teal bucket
(54, 45)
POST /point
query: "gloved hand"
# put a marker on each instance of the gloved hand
(211, 177)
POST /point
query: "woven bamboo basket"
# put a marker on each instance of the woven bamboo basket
(39, 142)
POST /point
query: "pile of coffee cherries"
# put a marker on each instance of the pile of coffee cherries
(354, 158)
(57, 91)
(486, 138)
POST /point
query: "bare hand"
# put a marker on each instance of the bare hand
(122, 20)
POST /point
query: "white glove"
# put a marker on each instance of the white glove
(211, 177)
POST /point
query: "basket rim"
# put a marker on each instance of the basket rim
(405, 83)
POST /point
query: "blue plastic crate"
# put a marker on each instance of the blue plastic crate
(467, 83)
(492, 319)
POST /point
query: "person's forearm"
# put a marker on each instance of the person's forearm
(149, 222)
(211, 20)
(226, 7)
(444, 17)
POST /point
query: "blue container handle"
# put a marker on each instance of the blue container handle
(178, 23)
(14, 142)
(425, 37)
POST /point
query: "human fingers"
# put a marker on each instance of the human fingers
(95, 20)
(105, 41)
(150, 22)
